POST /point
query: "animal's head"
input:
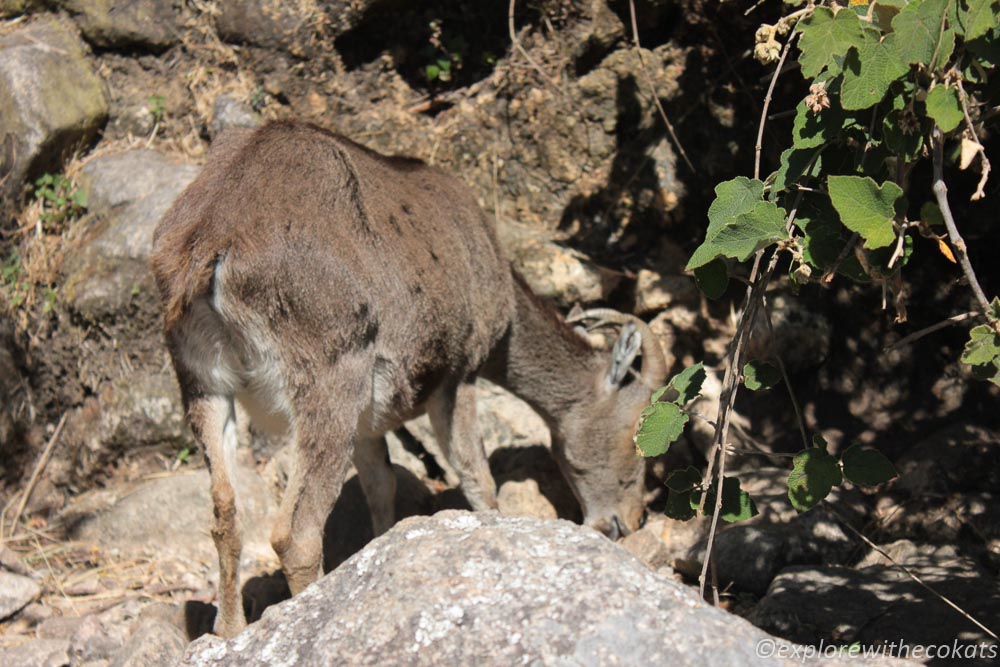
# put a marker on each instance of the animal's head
(594, 444)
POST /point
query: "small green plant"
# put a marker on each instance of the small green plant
(49, 300)
(445, 54)
(157, 107)
(15, 289)
(60, 201)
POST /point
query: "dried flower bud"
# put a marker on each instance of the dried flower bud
(765, 33)
(817, 100)
(767, 53)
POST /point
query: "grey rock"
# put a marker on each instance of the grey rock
(16, 592)
(597, 32)
(154, 644)
(287, 26)
(462, 588)
(655, 292)
(101, 636)
(647, 545)
(36, 653)
(230, 112)
(171, 517)
(129, 192)
(141, 408)
(50, 100)
(59, 627)
(963, 456)
(880, 603)
(562, 274)
(748, 558)
(524, 498)
(148, 24)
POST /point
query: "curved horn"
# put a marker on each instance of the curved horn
(654, 365)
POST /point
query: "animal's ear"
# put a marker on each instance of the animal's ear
(623, 354)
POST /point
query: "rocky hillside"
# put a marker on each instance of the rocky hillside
(107, 111)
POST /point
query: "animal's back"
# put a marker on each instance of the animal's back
(324, 242)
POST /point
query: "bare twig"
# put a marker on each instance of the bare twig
(984, 164)
(652, 90)
(916, 335)
(42, 461)
(521, 50)
(730, 383)
(847, 524)
(767, 103)
(941, 193)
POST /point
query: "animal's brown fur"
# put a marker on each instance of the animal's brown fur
(336, 292)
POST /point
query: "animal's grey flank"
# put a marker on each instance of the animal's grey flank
(335, 292)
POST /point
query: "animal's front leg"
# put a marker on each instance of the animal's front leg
(452, 411)
(378, 481)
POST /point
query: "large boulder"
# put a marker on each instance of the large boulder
(50, 100)
(171, 518)
(288, 26)
(878, 603)
(462, 588)
(129, 192)
(148, 24)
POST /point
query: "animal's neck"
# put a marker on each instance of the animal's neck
(542, 361)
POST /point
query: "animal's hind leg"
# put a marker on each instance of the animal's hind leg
(371, 458)
(325, 418)
(213, 421)
(452, 411)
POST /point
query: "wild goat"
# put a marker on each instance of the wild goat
(336, 292)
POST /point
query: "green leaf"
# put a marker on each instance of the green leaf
(688, 383)
(737, 505)
(869, 70)
(80, 198)
(979, 18)
(659, 426)
(795, 163)
(679, 506)
(712, 278)
(760, 375)
(988, 372)
(983, 346)
(814, 474)
(811, 130)
(922, 33)
(823, 240)
(683, 480)
(432, 72)
(866, 208)
(825, 36)
(866, 467)
(743, 235)
(732, 198)
(943, 106)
